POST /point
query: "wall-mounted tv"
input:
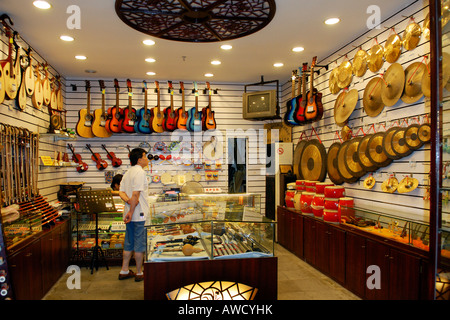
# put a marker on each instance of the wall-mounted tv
(260, 105)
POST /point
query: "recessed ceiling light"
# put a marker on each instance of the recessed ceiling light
(42, 4)
(80, 57)
(332, 21)
(278, 64)
(66, 38)
(209, 75)
(90, 71)
(148, 42)
(151, 73)
(150, 60)
(226, 47)
(298, 49)
(216, 62)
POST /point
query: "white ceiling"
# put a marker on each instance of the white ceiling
(115, 50)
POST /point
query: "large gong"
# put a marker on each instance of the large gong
(297, 155)
(313, 161)
(332, 165)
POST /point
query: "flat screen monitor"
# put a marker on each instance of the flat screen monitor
(260, 105)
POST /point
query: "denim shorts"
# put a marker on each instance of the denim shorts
(135, 239)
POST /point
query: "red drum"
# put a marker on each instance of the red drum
(345, 207)
(297, 204)
(320, 187)
(331, 216)
(310, 186)
(305, 202)
(289, 198)
(334, 192)
(300, 185)
(331, 203)
(317, 205)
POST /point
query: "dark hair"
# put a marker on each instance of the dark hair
(135, 155)
(117, 179)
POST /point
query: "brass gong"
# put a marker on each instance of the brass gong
(412, 137)
(375, 150)
(387, 144)
(344, 106)
(398, 143)
(375, 58)
(342, 169)
(360, 63)
(413, 82)
(364, 161)
(351, 158)
(333, 173)
(424, 133)
(411, 36)
(313, 161)
(297, 154)
(372, 101)
(393, 48)
(393, 84)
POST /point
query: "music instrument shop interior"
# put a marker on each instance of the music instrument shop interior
(267, 124)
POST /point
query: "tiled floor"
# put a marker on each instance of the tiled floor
(296, 281)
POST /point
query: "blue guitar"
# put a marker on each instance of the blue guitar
(142, 124)
(289, 116)
(194, 116)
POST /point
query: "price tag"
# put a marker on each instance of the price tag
(46, 160)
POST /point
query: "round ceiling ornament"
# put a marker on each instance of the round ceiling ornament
(196, 20)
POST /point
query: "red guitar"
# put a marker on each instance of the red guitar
(299, 114)
(129, 113)
(115, 114)
(82, 166)
(208, 121)
(101, 164)
(314, 107)
(170, 116)
(182, 115)
(116, 162)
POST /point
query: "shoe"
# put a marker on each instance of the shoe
(139, 277)
(130, 274)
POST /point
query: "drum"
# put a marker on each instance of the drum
(317, 205)
(297, 203)
(320, 186)
(290, 194)
(346, 207)
(300, 185)
(310, 186)
(334, 192)
(305, 202)
(331, 216)
(331, 203)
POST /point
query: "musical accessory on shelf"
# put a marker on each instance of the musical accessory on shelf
(157, 116)
(116, 162)
(170, 116)
(314, 108)
(208, 120)
(291, 104)
(100, 163)
(143, 115)
(115, 114)
(129, 113)
(194, 123)
(300, 117)
(85, 118)
(82, 166)
(100, 117)
(182, 115)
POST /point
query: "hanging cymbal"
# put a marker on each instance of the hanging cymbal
(345, 75)
(393, 48)
(333, 173)
(372, 101)
(342, 169)
(313, 161)
(346, 133)
(390, 185)
(411, 36)
(398, 143)
(375, 150)
(408, 184)
(364, 161)
(360, 63)
(387, 144)
(424, 133)
(445, 68)
(297, 154)
(412, 137)
(375, 58)
(344, 106)
(413, 82)
(426, 83)
(332, 82)
(369, 182)
(445, 12)
(393, 84)
(426, 27)
(351, 158)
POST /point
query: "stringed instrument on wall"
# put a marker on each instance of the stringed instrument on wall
(53, 99)
(170, 116)
(28, 75)
(299, 114)
(115, 114)
(100, 117)
(38, 95)
(157, 117)
(21, 99)
(116, 162)
(82, 166)
(208, 120)
(85, 118)
(100, 163)
(129, 113)
(314, 108)
(182, 115)
(291, 105)
(194, 123)
(46, 86)
(8, 65)
(143, 115)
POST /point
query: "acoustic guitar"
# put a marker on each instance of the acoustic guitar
(170, 116)
(115, 114)
(157, 116)
(85, 118)
(143, 115)
(129, 113)
(299, 114)
(116, 162)
(314, 98)
(182, 115)
(100, 117)
(194, 123)
(291, 105)
(208, 120)
(100, 163)
(38, 94)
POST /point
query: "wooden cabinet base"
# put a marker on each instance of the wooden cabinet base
(163, 277)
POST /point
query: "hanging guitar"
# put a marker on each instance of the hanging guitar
(314, 108)
(100, 163)
(157, 117)
(194, 123)
(129, 113)
(291, 105)
(115, 114)
(299, 114)
(208, 120)
(143, 115)
(85, 118)
(182, 115)
(100, 117)
(116, 162)
(170, 116)
(82, 166)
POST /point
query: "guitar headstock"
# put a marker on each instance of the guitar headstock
(88, 85)
(314, 60)
(170, 87)
(129, 85)
(181, 86)
(102, 86)
(305, 68)
(144, 84)
(116, 85)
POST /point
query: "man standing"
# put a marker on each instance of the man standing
(133, 191)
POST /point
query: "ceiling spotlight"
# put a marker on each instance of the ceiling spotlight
(42, 4)
(80, 57)
(90, 71)
(278, 64)
(151, 73)
(298, 49)
(66, 38)
(209, 75)
(148, 42)
(332, 21)
(226, 47)
(150, 60)
(216, 62)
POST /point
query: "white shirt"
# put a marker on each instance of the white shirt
(135, 179)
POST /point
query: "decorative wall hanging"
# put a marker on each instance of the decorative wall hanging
(196, 20)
